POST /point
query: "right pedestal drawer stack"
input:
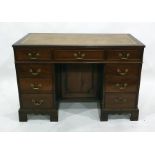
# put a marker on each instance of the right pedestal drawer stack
(121, 82)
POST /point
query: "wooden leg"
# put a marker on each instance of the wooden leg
(22, 117)
(134, 116)
(54, 116)
(104, 116)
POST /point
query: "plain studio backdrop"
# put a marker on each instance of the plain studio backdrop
(75, 116)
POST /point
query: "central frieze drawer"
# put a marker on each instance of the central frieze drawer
(79, 55)
(36, 85)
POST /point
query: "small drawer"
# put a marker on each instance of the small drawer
(37, 101)
(35, 70)
(76, 55)
(122, 70)
(36, 85)
(120, 100)
(124, 55)
(116, 84)
(32, 54)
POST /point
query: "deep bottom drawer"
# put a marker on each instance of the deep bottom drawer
(120, 100)
(37, 101)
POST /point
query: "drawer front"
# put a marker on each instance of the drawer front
(120, 100)
(122, 70)
(35, 70)
(79, 55)
(32, 54)
(124, 55)
(36, 85)
(115, 84)
(37, 101)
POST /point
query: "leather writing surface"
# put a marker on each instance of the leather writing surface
(79, 39)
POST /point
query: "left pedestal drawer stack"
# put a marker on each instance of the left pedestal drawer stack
(36, 86)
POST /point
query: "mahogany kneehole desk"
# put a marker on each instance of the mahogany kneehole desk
(78, 67)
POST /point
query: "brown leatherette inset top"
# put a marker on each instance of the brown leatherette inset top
(77, 39)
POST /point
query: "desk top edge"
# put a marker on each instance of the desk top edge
(78, 39)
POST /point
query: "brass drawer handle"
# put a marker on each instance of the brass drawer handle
(37, 102)
(36, 87)
(75, 54)
(33, 55)
(124, 55)
(79, 55)
(120, 100)
(121, 85)
(122, 73)
(35, 73)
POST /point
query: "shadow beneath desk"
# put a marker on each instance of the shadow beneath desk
(80, 109)
(78, 105)
(117, 116)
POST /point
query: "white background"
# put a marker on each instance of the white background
(78, 11)
(75, 116)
